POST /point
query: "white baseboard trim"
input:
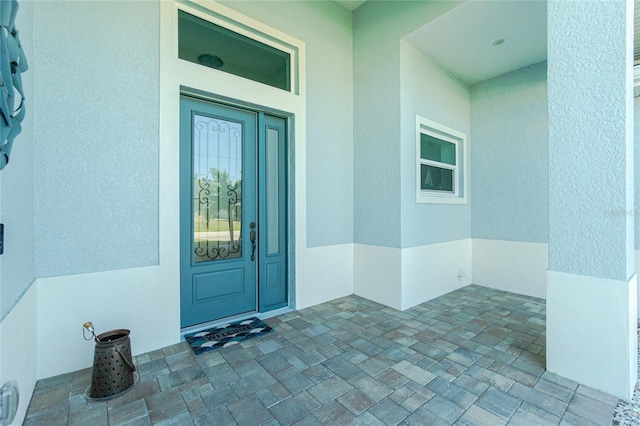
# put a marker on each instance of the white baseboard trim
(518, 267)
(432, 271)
(143, 300)
(378, 274)
(637, 267)
(18, 348)
(322, 274)
(402, 278)
(592, 332)
(147, 302)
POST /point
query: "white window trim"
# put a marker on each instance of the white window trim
(461, 169)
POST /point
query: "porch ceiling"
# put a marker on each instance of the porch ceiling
(351, 4)
(479, 40)
(471, 55)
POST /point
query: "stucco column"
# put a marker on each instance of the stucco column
(591, 286)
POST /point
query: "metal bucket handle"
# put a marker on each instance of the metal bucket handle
(107, 337)
(125, 359)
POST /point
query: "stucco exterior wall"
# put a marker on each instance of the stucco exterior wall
(379, 161)
(590, 141)
(96, 136)
(329, 68)
(431, 92)
(509, 157)
(636, 179)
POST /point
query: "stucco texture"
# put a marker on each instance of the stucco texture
(431, 92)
(590, 146)
(509, 157)
(636, 151)
(96, 136)
(379, 174)
(325, 28)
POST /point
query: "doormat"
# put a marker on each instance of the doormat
(226, 335)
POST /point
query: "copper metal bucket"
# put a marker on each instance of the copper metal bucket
(112, 364)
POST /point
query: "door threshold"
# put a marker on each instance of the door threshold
(235, 318)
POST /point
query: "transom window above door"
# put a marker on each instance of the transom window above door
(208, 44)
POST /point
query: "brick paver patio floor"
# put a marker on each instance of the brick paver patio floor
(475, 356)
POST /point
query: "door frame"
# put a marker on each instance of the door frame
(289, 207)
(223, 87)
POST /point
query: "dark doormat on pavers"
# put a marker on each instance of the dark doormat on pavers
(226, 335)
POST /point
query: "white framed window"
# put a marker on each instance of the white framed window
(441, 166)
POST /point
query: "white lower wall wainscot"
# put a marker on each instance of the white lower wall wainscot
(431, 271)
(518, 267)
(592, 332)
(402, 278)
(147, 302)
(323, 274)
(378, 274)
(637, 265)
(143, 300)
(19, 345)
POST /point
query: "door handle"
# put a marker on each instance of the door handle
(252, 237)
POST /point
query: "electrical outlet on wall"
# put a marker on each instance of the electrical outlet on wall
(461, 273)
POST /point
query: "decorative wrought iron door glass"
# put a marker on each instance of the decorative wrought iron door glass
(217, 187)
(233, 215)
(218, 276)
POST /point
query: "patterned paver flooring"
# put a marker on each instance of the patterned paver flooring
(475, 356)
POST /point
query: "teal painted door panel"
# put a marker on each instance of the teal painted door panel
(232, 176)
(272, 202)
(218, 193)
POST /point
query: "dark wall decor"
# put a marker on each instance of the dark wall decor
(12, 64)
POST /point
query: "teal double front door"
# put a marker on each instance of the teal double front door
(233, 215)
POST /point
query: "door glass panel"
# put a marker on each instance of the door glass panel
(272, 195)
(217, 189)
